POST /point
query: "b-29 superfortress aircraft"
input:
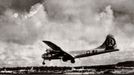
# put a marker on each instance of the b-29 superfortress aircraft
(56, 52)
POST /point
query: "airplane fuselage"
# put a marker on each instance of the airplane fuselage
(95, 52)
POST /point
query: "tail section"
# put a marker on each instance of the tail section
(109, 43)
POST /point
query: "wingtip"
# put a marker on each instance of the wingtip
(45, 41)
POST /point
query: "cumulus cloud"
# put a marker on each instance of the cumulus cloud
(18, 5)
(84, 21)
(21, 28)
(72, 24)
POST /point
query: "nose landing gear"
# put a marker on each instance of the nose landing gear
(43, 63)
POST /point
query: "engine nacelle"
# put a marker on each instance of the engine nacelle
(64, 59)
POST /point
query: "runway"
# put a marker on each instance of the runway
(120, 68)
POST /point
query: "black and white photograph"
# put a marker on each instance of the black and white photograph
(43, 37)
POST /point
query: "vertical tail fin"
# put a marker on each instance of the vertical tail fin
(109, 43)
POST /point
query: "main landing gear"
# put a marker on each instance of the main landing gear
(72, 61)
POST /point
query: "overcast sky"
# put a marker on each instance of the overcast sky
(72, 24)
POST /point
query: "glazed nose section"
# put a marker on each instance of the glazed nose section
(43, 55)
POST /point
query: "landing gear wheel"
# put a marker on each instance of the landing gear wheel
(43, 63)
(72, 61)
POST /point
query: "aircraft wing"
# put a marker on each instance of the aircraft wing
(52, 45)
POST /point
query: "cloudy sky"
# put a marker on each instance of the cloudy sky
(72, 24)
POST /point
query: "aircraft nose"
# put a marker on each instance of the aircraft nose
(43, 56)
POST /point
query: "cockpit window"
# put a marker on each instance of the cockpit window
(48, 50)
